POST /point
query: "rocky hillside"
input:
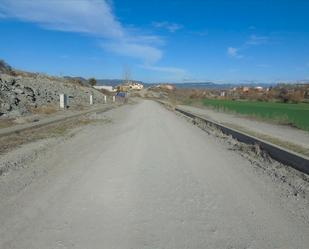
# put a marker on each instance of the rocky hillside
(27, 93)
(5, 68)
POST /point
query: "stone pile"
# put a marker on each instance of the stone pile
(21, 94)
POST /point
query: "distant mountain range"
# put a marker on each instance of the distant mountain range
(197, 85)
(211, 85)
(115, 82)
(101, 82)
(7, 69)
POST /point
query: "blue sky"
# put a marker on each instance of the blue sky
(160, 41)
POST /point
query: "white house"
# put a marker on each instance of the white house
(108, 88)
(259, 88)
(136, 86)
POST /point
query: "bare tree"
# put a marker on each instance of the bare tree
(127, 74)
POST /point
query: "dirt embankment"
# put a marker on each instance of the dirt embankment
(285, 136)
(34, 93)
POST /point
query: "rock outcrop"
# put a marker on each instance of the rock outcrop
(21, 94)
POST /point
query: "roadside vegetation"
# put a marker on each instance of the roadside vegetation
(282, 113)
(65, 128)
(92, 81)
(285, 104)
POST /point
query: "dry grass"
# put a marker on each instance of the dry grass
(48, 109)
(4, 123)
(285, 144)
(64, 128)
(78, 107)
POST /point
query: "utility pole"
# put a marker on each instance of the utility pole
(127, 74)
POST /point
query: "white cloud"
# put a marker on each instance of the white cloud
(172, 70)
(88, 16)
(233, 52)
(254, 40)
(257, 40)
(171, 27)
(94, 17)
(147, 53)
(148, 39)
(199, 33)
(264, 65)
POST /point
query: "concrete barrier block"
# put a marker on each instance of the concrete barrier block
(63, 101)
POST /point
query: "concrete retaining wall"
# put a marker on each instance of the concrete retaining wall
(278, 153)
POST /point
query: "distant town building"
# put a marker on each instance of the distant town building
(245, 89)
(136, 86)
(108, 88)
(130, 86)
(123, 88)
(259, 88)
(166, 87)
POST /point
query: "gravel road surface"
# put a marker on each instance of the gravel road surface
(147, 179)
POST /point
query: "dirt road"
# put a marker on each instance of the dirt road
(148, 179)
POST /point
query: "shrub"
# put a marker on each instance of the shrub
(296, 97)
(92, 81)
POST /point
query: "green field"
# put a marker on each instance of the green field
(293, 114)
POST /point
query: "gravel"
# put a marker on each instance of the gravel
(21, 94)
(149, 179)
